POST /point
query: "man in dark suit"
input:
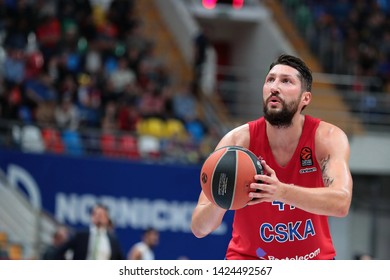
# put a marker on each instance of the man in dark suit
(95, 243)
(60, 236)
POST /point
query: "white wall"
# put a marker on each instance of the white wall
(359, 238)
(181, 24)
(258, 45)
(370, 153)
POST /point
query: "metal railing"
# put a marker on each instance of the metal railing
(369, 109)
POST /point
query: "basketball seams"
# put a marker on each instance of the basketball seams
(235, 180)
(213, 173)
(244, 161)
(221, 188)
(209, 170)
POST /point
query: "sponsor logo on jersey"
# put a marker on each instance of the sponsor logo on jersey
(308, 256)
(307, 170)
(306, 157)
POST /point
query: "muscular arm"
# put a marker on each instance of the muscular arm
(332, 150)
(206, 216)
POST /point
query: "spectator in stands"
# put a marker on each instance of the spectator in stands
(18, 18)
(48, 31)
(67, 114)
(152, 102)
(128, 117)
(14, 65)
(89, 100)
(93, 59)
(143, 250)
(11, 102)
(135, 38)
(60, 236)
(200, 45)
(109, 122)
(121, 77)
(42, 95)
(120, 13)
(95, 243)
(134, 58)
(184, 103)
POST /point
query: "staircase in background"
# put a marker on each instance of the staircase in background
(24, 230)
(166, 47)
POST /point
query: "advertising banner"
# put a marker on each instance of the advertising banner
(138, 195)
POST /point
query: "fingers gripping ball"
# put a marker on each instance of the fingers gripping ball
(226, 176)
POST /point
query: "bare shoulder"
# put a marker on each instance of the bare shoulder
(330, 139)
(238, 136)
(327, 131)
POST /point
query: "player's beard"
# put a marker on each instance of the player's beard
(281, 118)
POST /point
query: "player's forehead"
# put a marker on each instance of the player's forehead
(283, 70)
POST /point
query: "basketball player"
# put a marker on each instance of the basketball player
(143, 250)
(306, 175)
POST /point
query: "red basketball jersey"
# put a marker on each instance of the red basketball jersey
(277, 230)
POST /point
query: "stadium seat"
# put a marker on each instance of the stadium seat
(31, 139)
(72, 142)
(52, 140)
(3, 239)
(196, 129)
(175, 128)
(128, 146)
(109, 145)
(4, 246)
(15, 251)
(91, 140)
(149, 146)
(152, 127)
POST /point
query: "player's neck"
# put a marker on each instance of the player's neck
(286, 136)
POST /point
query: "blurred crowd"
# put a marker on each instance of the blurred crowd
(71, 66)
(84, 78)
(349, 37)
(352, 38)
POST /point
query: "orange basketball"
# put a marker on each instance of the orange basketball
(226, 176)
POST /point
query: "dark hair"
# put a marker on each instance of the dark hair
(102, 206)
(298, 64)
(150, 229)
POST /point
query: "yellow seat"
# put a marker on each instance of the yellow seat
(175, 128)
(3, 239)
(15, 251)
(153, 127)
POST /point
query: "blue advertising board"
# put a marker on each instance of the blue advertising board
(138, 195)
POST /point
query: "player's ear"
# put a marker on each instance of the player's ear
(306, 98)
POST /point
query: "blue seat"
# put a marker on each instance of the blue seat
(72, 142)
